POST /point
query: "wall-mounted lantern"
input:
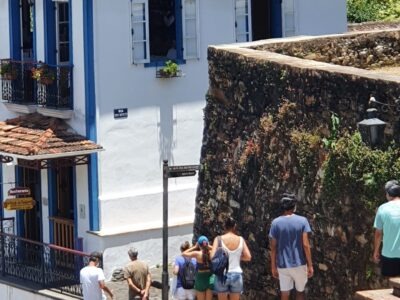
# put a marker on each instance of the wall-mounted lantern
(372, 129)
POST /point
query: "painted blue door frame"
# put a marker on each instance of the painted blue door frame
(90, 112)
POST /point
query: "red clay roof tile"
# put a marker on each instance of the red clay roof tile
(35, 134)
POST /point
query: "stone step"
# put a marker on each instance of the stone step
(386, 294)
(395, 282)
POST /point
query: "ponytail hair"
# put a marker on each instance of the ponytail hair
(230, 223)
(205, 256)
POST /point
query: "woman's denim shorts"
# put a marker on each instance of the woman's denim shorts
(233, 283)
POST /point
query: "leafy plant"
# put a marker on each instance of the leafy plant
(330, 142)
(171, 69)
(43, 74)
(372, 10)
(353, 166)
(7, 70)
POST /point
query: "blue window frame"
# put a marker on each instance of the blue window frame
(22, 29)
(164, 30)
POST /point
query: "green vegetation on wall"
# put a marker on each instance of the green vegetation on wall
(372, 10)
(353, 166)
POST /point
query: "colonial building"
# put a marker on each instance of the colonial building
(90, 111)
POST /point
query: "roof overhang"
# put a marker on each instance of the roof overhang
(51, 155)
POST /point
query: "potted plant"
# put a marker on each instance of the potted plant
(43, 74)
(171, 69)
(7, 71)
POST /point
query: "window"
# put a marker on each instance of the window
(242, 20)
(62, 31)
(257, 19)
(27, 24)
(164, 30)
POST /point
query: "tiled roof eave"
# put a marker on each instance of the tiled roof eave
(51, 155)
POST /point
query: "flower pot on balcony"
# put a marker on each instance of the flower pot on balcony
(9, 76)
(43, 74)
(7, 70)
(46, 81)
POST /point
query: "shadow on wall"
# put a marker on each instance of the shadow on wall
(166, 126)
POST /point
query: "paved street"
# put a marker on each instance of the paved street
(120, 287)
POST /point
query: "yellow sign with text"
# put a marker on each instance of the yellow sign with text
(19, 203)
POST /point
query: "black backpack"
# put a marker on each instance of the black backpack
(188, 274)
(220, 262)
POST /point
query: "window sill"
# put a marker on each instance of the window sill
(160, 74)
(161, 62)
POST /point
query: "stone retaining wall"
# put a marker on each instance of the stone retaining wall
(257, 103)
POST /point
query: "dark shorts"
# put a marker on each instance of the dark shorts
(204, 281)
(390, 266)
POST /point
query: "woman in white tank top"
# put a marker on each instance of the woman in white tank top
(235, 245)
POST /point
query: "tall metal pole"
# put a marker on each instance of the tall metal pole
(165, 232)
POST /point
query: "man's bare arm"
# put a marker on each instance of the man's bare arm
(105, 288)
(274, 269)
(133, 286)
(307, 252)
(377, 245)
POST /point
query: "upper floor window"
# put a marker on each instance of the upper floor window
(242, 20)
(62, 31)
(164, 30)
(261, 19)
(27, 25)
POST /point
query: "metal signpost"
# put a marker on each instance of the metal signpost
(170, 172)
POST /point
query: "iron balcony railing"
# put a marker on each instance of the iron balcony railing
(36, 83)
(45, 265)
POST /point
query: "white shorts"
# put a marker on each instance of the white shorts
(288, 276)
(182, 294)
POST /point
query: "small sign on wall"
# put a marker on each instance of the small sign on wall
(120, 113)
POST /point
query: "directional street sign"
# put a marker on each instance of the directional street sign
(182, 171)
(169, 172)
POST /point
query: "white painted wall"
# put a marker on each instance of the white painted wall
(82, 203)
(165, 119)
(39, 19)
(4, 30)
(78, 120)
(45, 206)
(317, 17)
(8, 182)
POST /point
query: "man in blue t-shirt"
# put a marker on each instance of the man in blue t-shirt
(290, 249)
(387, 227)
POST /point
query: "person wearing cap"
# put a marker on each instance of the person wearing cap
(92, 280)
(138, 277)
(290, 249)
(387, 232)
(204, 281)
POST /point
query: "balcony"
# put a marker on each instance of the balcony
(25, 89)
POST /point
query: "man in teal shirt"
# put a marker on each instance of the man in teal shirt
(387, 227)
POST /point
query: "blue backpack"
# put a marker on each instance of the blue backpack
(220, 262)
